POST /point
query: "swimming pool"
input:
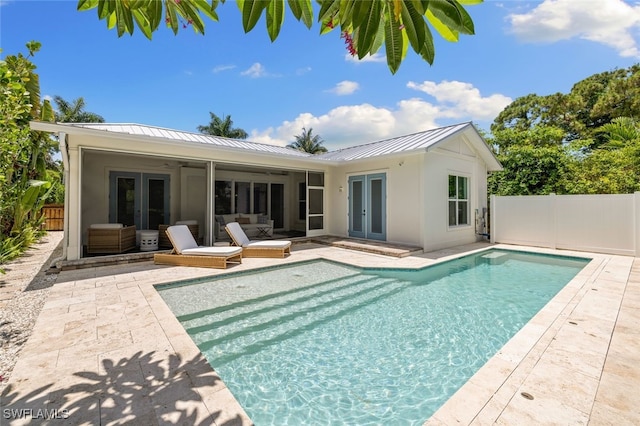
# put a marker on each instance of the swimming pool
(326, 343)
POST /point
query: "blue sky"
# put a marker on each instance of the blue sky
(273, 90)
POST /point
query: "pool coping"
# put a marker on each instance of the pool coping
(106, 324)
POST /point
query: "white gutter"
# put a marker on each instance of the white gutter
(62, 141)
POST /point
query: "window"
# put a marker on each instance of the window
(302, 201)
(243, 197)
(233, 196)
(223, 197)
(458, 200)
(260, 198)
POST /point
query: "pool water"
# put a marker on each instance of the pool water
(325, 343)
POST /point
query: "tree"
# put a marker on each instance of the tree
(586, 141)
(614, 168)
(222, 127)
(534, 162)
(307, 143)
(23, 166)
(621, 132)
(365, 25)
(73, 112)
(591, 103)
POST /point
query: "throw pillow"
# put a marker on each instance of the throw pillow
(220, 220)
(243, 220)
(263, 219)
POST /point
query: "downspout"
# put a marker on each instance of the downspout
(62, 140)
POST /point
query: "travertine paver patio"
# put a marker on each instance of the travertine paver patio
(106, 349)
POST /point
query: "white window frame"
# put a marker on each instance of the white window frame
(457, 200)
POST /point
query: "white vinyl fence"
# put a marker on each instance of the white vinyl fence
(596, 223)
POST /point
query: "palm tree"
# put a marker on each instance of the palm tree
(620, 132)
(222, 127)
(307, 143)
(73, 112)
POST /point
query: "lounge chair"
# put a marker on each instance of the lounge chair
(256, 248)
(186, 251)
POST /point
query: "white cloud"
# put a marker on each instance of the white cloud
(609, 22)
(350, 125)
(220, 68)
(376, 57)
(345, 87)
(462, 99)
(256, 70)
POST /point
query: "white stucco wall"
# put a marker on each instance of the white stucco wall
(456, 158)
(404, 199)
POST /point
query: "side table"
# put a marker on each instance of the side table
(148, 240)
(263, 231)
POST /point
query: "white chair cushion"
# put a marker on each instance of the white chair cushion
(213, 251)
(268, 244)
(106, 226)
(238, 234)
(181, 238)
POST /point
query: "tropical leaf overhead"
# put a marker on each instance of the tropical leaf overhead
(365, 25)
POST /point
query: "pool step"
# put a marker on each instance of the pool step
(307, 299)
(247, 331)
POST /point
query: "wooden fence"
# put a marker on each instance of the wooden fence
(54, 217)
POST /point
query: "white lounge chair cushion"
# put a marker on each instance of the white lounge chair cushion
(241, 238)
(268, 244)
(106, 226)
(184, 243)
(238, 234)
(212, 251)
(181, 238)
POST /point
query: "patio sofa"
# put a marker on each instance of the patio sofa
(250, 224)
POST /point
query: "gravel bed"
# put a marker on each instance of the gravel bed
(25, 287)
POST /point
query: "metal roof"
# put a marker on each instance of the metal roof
(179, 135)
(416, 142)
(400, 144)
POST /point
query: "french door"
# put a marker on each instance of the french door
(140, 199)
(368, 206)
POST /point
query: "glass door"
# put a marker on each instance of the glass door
(140, 199)
(155, 200)
(357, 209)
(367, 206)
(376, 194)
